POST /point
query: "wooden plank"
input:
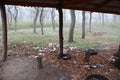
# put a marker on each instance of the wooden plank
(4, 29)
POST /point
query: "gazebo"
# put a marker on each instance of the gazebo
(104, 6)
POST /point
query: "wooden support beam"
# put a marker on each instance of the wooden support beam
(4, 29)
(60, 27)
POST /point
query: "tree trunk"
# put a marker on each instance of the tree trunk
(90, 22)
(64, 15)
(114, 18)
(83, 25)
(10, 16)
(4, 29)
(35, 19)
(53, 18)
(103, 19)
(41, 20)
(15, 16)
(72, 26)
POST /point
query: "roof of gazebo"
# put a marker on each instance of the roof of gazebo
(105, 6)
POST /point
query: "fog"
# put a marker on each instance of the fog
(27, 14)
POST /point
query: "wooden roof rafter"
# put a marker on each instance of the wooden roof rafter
(103, 4)
(33, 4)
(94, 5)
(89, 5)
(75, 2)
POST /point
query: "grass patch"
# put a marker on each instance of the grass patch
(25, 35)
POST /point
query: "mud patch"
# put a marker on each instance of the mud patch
(25, 68)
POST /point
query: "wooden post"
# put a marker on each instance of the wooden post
(4, 29)
(39, 62)
(60, 27)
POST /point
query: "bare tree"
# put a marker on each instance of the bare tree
(15, 16)
(99, 17)
(53, 18)
(83, 25)
(35, 19)
(90, 22)
(9, 14)
(41, 20)
(64, 15)
(114, 18)
(106, 18)
(103, 19)
(43, 13)
(72, 26)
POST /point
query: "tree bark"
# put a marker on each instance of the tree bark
(83, 25)
(72, 26)
(35, 19)
(90, 22)
(4, 29)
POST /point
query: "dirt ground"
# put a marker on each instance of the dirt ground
(25, 68)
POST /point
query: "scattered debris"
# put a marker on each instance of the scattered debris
(78, 50)
(50, 45)
(99, 64)
(35, 57)
(37, 47)
(74, 62)
(62, 78)
(91, 51)
(96, 76)
(64, 56)
(93, 66)
(41, 54)
(88, 54)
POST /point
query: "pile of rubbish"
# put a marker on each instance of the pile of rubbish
(82, 63)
